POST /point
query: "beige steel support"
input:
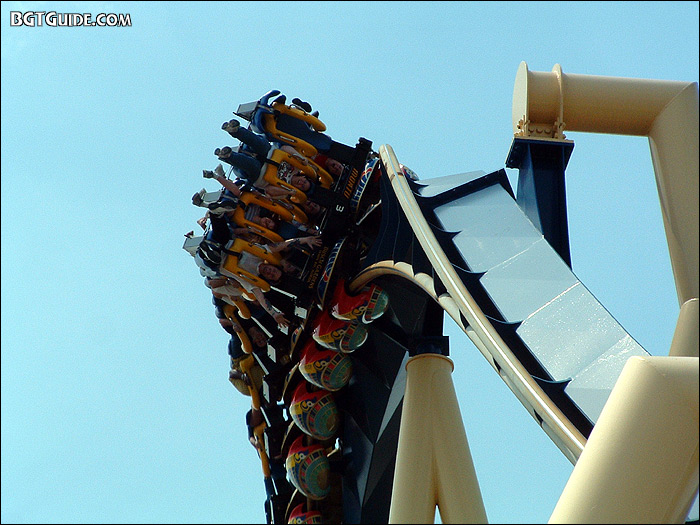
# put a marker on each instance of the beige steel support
(640, 464)
(546, 104)
(433, 463)
(685, 339)
(462, 307)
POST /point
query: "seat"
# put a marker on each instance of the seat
(240, 306)
(301, 123)
(230, 267)
(287, 214)
(265, 117)
(308, 168)
(311, 169)
(230, 313)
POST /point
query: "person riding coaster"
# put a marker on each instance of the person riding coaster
(230, 265)
(256, 267)
(282, 173)
(293, 126)
(273, 174)
(265, 117)
(248, 200)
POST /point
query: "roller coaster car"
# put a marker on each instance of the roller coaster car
(233, 251)
(339, 335)
(315, 411)
(328, 510)
(308, 469)
(308, 168)
(366, 306)
(282, 123)
(287, 213)
(324, 368)
(230, 313)
(300, 514)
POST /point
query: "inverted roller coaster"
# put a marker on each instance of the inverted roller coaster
(361, 423)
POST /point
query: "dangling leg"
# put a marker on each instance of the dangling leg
(257, 143)
(248, 166)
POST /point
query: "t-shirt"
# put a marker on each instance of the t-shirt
(285, 172)
(252, 212)
(248, 262)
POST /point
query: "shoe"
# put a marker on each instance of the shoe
(223, 204)
(217, 208)
(303, 105)
(280, 100)
(219, 170)
(197, 198)
(208, 174)
(222, 153)
(231, 126)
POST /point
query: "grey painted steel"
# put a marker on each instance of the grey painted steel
(570, 333)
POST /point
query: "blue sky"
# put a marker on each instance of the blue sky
(115, 401)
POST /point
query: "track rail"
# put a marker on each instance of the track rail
(464, 310)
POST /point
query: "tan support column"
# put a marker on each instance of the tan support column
(640, 464)
(546, 104)
(673, 140)
(433, 462)
(686, 341)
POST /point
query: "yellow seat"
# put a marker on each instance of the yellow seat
(247, 364)
(230, 313)
(230, 267)
(270, 124)
(298, 214)
(308, 168)
(312, 170)
(248, 199)
(286, 211)
(238, 309)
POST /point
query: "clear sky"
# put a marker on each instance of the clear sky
(115, 401)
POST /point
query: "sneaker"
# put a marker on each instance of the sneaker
(231, 126)
(219, 170)
(303, 105)
(217, 208)
(222, 153)
(208, 174)
(197, 198)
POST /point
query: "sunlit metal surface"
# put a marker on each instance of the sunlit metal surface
(569, 332)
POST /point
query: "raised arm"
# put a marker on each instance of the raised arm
(218, 175)
(311, 242)
(279, 317)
